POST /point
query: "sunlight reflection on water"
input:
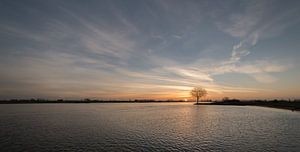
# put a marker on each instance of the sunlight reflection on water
(147, 127)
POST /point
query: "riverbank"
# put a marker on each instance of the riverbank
(41, 101)
(282, 104)
(290, 105)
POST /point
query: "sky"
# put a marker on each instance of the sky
(149, 49)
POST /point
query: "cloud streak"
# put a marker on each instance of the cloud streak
(107, 51)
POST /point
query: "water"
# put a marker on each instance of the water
(147, 127)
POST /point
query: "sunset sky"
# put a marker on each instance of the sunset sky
(149, 49)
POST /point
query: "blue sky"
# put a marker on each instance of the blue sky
(131, 49)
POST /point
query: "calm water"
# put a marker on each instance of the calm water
(147, 127)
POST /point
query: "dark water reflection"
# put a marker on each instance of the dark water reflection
(147, 127)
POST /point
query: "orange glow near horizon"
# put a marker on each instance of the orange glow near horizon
(249, 51)
(179, 95)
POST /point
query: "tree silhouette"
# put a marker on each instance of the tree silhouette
(198, 92)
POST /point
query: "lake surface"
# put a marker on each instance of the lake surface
(147, 127)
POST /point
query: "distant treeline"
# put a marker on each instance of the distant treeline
(225, 100)
(283, 104)
(14, 101)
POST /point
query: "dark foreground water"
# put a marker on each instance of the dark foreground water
(147, 127)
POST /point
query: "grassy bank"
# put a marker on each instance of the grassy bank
(282, 104)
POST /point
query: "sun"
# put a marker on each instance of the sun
(185, 99)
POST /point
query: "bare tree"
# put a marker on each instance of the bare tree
(198, 92)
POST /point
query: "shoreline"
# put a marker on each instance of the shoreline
(92, 101)
(293, 106)
(288, 105)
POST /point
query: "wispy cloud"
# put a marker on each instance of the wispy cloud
(251, 25)
(241, 23)
(177, 36)
(160, 50)
(260, 70)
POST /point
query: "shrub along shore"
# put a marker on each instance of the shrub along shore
(283, 104)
